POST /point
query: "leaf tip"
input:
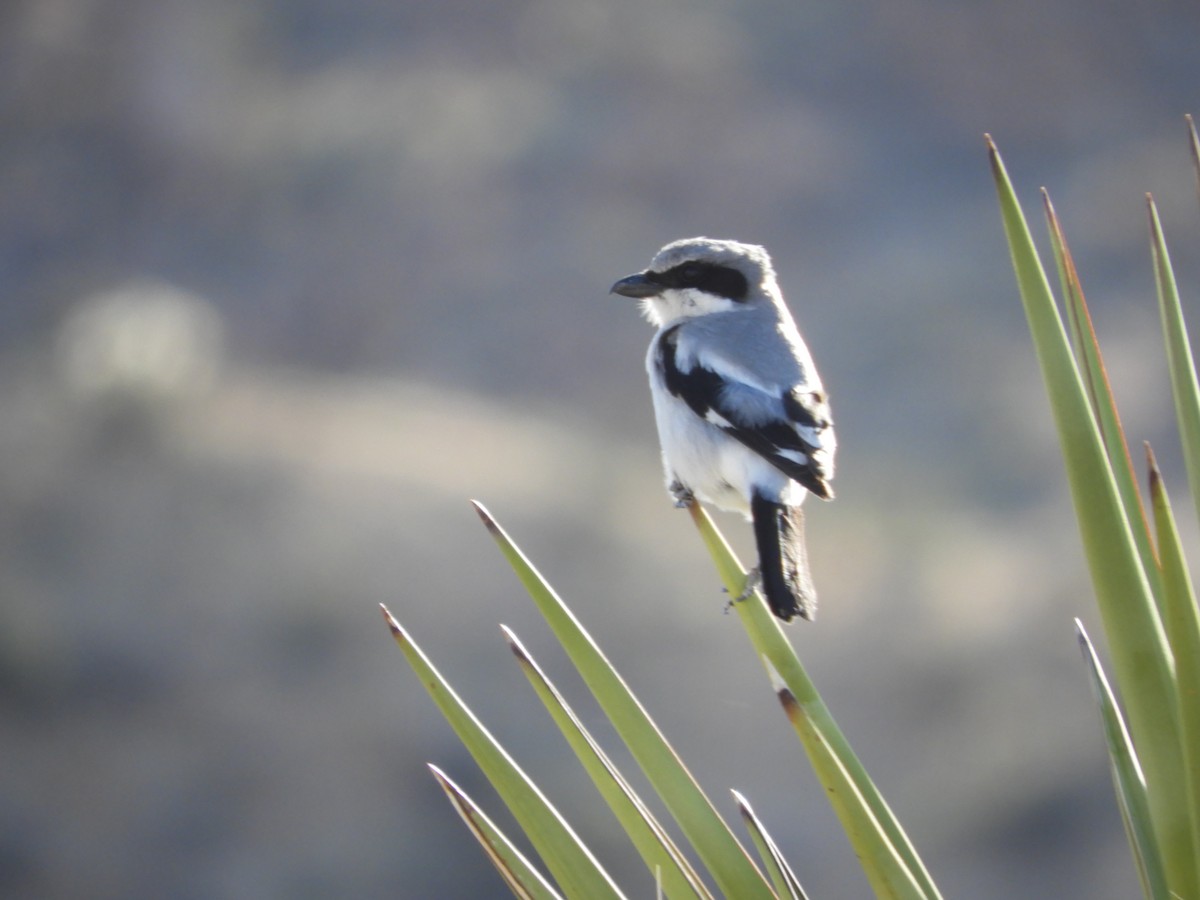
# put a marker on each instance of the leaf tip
(994, 156)
(480, 509)
(1152, 468)
(514, 644)
(457, 798)
(397, 631)
(1057, 231)
(1085, 642)
(486, 517)
(1156, 232)
(743, 805)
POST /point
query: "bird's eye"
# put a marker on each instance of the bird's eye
(691, 272)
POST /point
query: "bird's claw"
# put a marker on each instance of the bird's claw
(683, 496)
(752, 584)
(749, 586)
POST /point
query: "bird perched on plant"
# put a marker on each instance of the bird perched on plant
(742, 417)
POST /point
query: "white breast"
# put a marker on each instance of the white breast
(717, 468)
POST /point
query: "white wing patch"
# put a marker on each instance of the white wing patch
(715, 418)
(794, 455)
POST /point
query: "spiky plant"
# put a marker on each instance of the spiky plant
(1139, 575)
(889, 859)
(1143, 590)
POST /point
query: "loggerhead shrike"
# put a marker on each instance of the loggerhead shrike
(743, 420)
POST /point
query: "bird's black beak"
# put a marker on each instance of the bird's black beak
(637, 286)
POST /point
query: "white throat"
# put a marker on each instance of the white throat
(671, 305)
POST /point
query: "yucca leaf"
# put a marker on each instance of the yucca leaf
(785, 880)
(675, 874)
(1179, 354)
(1140, 654)
(864, 814)
(888, 873)
(1100, 396)
(572, 865)
(718, 849)
(1194, 142)
(1128, 782)
(1183, 630)
(526, 882)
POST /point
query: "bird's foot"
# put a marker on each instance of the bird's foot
(682, 495)
(752, 583)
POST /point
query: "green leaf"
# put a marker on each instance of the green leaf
(887, 871)
(1127, 777)
(523, 879)
(676, 876)
(1179, 354)
(1195, 145)
(1141, 657)
(785, 880)
(570, 862)
(719, 851)
(1182, 621)
(1100, 397)
(896, 870)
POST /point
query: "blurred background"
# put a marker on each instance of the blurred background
(283, 284)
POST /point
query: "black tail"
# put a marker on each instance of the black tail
(782, 559)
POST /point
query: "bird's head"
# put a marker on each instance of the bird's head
(700, 276)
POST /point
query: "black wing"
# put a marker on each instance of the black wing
(786, 431)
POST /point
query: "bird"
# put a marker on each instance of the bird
(742, 416)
